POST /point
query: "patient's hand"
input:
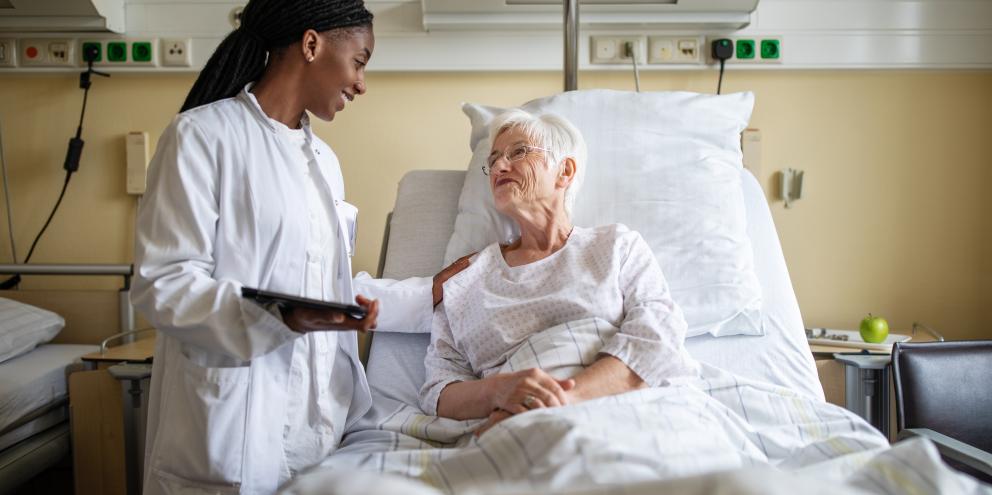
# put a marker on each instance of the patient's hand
(494, 418)
(443, 276)
(305, 320)
(524, 390)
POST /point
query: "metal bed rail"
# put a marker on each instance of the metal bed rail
(125, 310)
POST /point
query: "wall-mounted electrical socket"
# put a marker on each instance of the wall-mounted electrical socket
(612, 49)
(115, 52)
(752, 50)
(175, 52)
(48, 52)
(675, 50)
(8, 53)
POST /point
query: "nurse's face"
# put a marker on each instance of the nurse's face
(337, 73)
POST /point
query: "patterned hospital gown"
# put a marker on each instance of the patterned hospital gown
(608, 272)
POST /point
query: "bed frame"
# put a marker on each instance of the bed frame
(91, 316)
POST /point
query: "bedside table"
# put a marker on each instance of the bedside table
(861, 382)
(107, 418)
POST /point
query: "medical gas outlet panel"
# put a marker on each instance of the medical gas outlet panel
(681, 49)
(56, 53)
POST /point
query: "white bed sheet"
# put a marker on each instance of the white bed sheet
(396, 363)
(782, 355)
(36, 379)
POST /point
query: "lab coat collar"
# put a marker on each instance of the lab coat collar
(249, 99)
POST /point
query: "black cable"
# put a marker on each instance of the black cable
(719, 82)
(58, 202)
(13, 281)
(722, 50)
(71, 165)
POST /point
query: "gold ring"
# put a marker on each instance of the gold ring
(528, 401)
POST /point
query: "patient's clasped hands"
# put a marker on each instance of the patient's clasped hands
(521, 391)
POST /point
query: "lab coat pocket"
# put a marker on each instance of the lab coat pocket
(170, 483)
(348, 216)
(202, 435)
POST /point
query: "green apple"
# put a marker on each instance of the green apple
(874, 329)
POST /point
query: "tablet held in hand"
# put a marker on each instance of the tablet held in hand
(287, 301)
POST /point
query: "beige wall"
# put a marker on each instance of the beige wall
(895, 219)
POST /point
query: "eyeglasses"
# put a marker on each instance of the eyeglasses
(515, 154)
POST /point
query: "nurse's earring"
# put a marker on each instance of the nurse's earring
(309, 59)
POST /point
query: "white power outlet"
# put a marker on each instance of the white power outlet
(611, 49)
(8, 53)
(675, 50)
(175, 52)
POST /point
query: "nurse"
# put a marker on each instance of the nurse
(242, 193)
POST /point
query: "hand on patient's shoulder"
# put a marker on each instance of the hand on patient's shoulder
(305, 320)
(443, 276)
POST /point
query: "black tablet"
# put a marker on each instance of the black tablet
(288, 301)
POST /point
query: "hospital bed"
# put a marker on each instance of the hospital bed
(34, 399)
(765, 387)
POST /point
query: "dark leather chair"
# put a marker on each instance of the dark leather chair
(944, 392)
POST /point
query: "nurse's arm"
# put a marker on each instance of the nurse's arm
(408, 305)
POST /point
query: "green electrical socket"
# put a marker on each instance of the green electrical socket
(97, 49)
(745, 49)
(141, 51)
(770, 49)
(117, 51)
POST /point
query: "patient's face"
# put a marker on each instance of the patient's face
(525, 184)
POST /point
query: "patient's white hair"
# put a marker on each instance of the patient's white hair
(551, 132)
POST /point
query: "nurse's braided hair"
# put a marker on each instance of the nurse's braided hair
(268, 25)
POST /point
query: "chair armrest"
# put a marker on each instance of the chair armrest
(972, 457)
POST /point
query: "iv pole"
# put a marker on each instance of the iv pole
(571, 28)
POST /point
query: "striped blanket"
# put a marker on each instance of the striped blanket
(708, 432)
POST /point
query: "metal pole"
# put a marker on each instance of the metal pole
(66, 269)
(571, 23)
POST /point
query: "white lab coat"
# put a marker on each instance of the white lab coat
(222, 211)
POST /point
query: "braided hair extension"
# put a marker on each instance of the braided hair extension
(268, 25)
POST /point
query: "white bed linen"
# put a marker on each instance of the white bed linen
(36, 379)
(782, 355)
(693, 427)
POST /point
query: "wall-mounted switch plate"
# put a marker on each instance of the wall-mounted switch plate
(8, 53)
(612, 49)
(47, 52)
(675, 50)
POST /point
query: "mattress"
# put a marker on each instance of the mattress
(31, 383)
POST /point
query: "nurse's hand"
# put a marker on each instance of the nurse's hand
(443, 276)
(314, 320)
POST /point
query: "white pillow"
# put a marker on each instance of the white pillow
(24, 327)
(665, 164)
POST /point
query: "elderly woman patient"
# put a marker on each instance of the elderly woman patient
(555, 273)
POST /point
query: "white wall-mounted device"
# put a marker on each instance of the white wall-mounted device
(791, 186)
(137, 161)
